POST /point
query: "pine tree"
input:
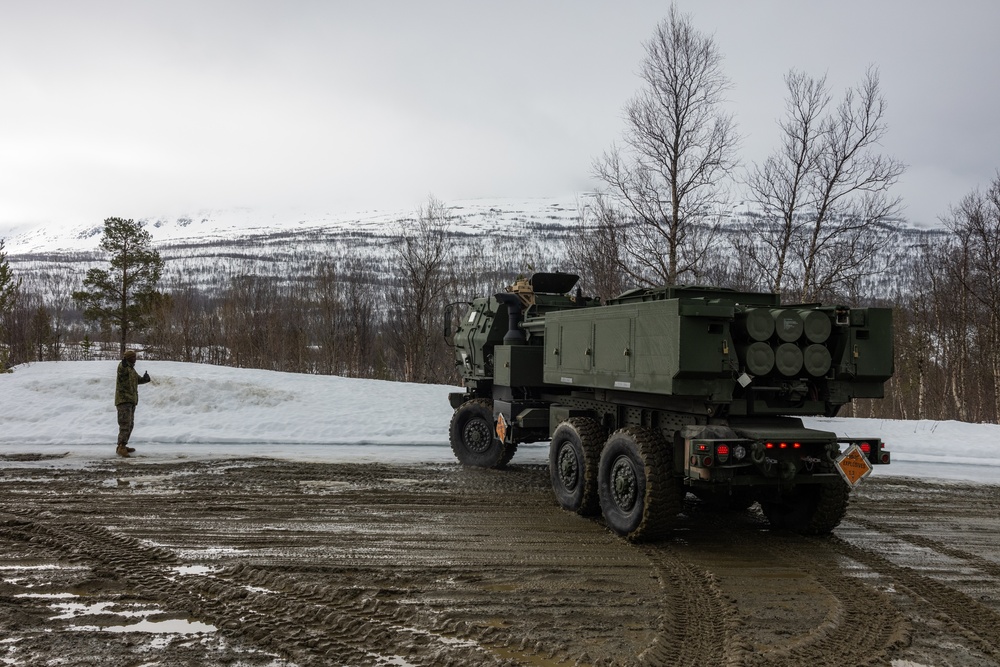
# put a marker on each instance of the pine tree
(8, 292)
(124, 296)
(8, 286)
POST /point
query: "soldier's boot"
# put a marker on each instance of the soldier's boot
(122, 451)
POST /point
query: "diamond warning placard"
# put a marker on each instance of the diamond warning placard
(501, 428)
(853, 465)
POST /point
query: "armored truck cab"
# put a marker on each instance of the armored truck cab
(664, 391)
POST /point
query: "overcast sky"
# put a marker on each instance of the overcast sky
(140, 109)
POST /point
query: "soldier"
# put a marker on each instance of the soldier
(126, 398)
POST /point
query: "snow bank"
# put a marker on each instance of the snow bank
(194, 410)
(72, 403)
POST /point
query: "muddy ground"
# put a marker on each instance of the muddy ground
(262, 562)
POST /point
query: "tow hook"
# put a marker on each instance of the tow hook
(810, 462)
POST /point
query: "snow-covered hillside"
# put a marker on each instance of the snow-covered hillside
(207, 249)
(473, 217)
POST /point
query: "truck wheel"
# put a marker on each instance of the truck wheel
(473, 439)
(810, 510)
(639, 495)
(574, 456)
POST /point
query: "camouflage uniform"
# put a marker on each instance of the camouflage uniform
(126, 398)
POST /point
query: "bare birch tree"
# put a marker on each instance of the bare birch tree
(595, 252)
(825, 193)
(976, 225)
(425, 258)
(678, 147)
(781, 187)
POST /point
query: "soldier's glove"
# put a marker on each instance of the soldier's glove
(145, 376)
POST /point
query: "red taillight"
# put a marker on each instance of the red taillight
(722, 450)
(885, 457)
(797, 445)
(783, 445)
(706, 461)
(770, 445)
(866, 448)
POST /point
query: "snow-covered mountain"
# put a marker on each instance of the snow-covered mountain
(207, 248)
(220, 227)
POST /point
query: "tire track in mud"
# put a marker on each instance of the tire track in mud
(478, 524)
(863, 625)
(697, 626)
(304, 623)
(442, 565)
(738, 549)
(986, 566)
(964, 615)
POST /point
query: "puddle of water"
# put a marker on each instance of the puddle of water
(173, 627)
(394, 661)
(258, 589)
(73, 610)
(194, 569)
(196, 554)
(77, 609)
(17, 568)
(451, 641)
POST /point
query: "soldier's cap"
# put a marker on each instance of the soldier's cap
(129, 354)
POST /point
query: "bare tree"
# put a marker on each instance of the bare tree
(780, 187)
(824, 194)
(975, 223)
(595, 252)
(678, 148)
(425, 258)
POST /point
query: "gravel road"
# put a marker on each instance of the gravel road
(259, 562)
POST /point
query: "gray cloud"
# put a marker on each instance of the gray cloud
(140, 109)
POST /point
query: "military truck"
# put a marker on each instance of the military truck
(661, 392)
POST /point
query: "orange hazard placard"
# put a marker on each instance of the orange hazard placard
(853, 466)
(502, 428)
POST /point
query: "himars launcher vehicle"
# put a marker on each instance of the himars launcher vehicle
(666, 391)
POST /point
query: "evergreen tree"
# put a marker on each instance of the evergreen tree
(8, 286)
(124, 296)
(8, 292)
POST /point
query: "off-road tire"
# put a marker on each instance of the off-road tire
(574, 458)
(640, 497)
(810, 510)
(473, 438)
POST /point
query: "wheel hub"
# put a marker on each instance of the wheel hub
(569, 467)
(477, 435)
(624, 484)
